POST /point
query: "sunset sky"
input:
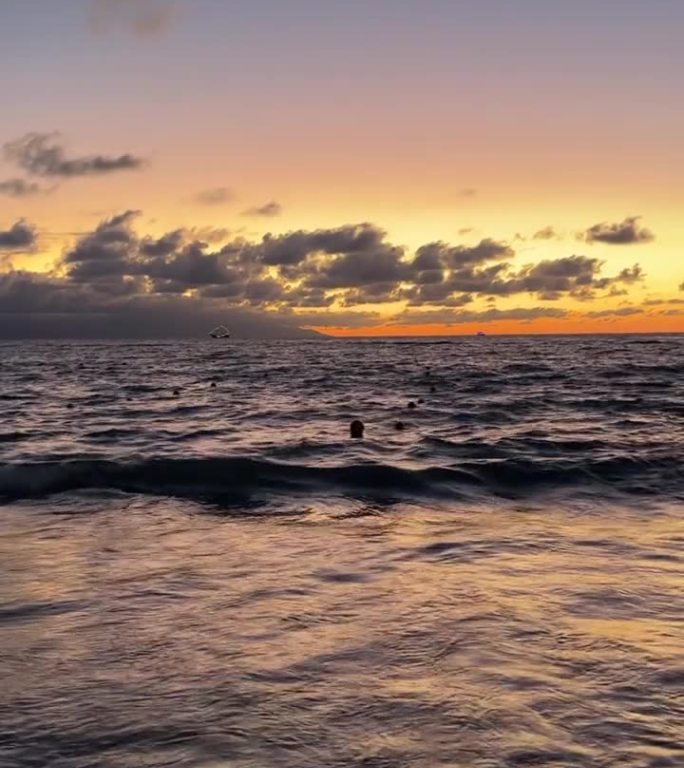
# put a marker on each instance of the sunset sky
(385, 167)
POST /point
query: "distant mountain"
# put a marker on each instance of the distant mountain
(147, 323)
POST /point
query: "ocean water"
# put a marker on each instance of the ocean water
(199, 567)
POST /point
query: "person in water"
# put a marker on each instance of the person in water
(356, 429)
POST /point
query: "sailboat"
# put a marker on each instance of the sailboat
(221, 332)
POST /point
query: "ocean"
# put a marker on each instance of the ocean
(199, 566)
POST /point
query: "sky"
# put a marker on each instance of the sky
(392, 167)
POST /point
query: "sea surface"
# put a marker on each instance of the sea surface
(199, 567)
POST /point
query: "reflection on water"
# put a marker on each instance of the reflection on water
(146, 632)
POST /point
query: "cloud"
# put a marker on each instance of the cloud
(630, 275)
(621, 312)
(210, 235)
(214, 196)
(39, 154)
(547, 233)
(626, 232)
(164, 245)
(109, 250)
(295, 247)
(143, 18)
(359, 270)
(268, 210)
(440, 254)
(660, 302)
(334, 319)
(19, 188)
(21, 236)
(576, 276)
(450, 317)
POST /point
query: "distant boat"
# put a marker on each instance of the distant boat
(481, 333)
(220, 333)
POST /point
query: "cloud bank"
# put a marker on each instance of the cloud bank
(326, 276)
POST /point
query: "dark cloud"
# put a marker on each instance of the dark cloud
(439, 254)
(577, 276)
(144, 18)
(626, 232)
(19, 188)
(163, 245)
(192, 267)
(39, 154)
(109, 249)
(269, 210)
(373, 293)
(295, 247)
(359, 270)
(439, 294)
(21, 236)
(214, 196)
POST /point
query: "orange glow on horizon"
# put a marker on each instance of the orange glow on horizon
(580, 325)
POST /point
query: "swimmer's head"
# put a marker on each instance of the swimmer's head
(356, 429)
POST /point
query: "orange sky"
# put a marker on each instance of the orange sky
(647, 323)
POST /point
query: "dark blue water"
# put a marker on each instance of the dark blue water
(198, 566)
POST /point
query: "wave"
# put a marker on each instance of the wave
(236, 480)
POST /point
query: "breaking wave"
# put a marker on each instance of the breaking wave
(240, 479)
